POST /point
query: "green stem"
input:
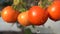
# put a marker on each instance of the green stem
(14, 6)
(17, 2)
(44, 3)
(27, 31)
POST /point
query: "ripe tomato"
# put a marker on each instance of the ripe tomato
(37, 15)
(9, 14)
(23, 18)
(54, 11)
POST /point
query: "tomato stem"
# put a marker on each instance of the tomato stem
(44, 3)
(19, 5)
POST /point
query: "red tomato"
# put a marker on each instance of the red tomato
(54, 11)
(23, 18)
(9, 14)
(37, 15)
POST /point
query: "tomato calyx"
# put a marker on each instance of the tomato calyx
(44, 3)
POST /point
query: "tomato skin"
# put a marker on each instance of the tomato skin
(23, 19)
(9, 14)
(37, 16)
(54, 11)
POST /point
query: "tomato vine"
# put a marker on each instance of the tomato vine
(37, 13)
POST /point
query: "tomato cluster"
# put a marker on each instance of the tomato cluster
(34, 16)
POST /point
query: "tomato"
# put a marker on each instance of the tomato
(37, 15)
(23, 19)
(9, 14)
(54, 11)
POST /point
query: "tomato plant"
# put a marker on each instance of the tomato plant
(23, 18)
(54, 11)
(9, 14)
(37, 15)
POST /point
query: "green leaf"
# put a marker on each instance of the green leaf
(27, 31)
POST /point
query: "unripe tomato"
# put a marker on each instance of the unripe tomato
(9, 14)
(23, 19)
(54, 11)
(37, 15)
